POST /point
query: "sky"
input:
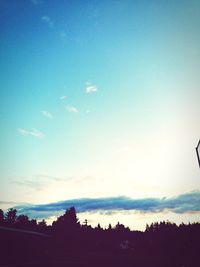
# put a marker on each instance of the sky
(100, 102)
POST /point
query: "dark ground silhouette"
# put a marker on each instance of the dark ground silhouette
(25, 242)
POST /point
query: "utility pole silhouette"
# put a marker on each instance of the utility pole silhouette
(197, 151)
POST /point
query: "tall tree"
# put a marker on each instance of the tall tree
(67, 222)
(11, 216)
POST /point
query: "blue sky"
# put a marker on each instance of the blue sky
(98, 99)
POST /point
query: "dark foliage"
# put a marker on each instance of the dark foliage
(1, 216)
(68, 243)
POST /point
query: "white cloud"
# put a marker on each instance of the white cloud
(48, 21)
(47, 114)
(23, 132)
(71, 109)
(34, 132)
(63, 97)
(90, 88)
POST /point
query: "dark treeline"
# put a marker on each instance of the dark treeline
(68, 243)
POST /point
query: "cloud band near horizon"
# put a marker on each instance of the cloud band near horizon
(184, 203)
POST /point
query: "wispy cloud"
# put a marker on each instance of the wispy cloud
(34, 132)
(52, 178)
(41, 181)
(8, 202)
(185, 203)
(48, 21)
(23, 132)
(63, 97)
(90, 88)
(35, 185)
(47, 114)
(71, 109)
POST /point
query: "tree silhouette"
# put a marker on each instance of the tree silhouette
(33, 224)
(162, 244)
(11, 216)
(98, 226)
(22, 220)
(42, 223)
(1, 216)
(121, 228)
(109, 227)
(67, 222)
(70, 217)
